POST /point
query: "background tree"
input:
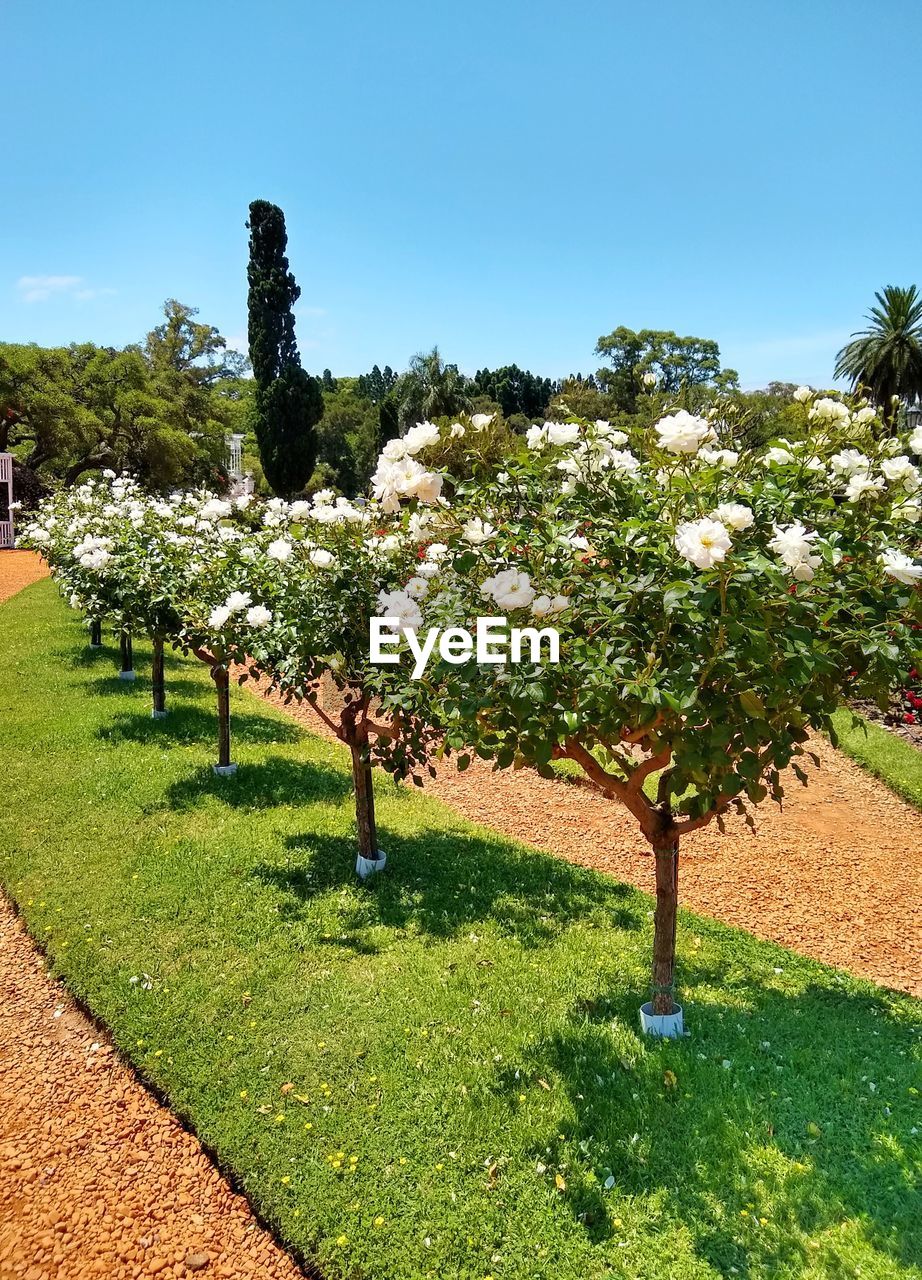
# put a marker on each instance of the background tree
(431, 389)
(516, 391)
(288, 402)
(378, 384)
(886, 358)
(676, 362)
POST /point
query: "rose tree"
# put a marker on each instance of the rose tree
(310, 581)
(713, 606)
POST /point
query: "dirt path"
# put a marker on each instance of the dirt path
(97, 1179)
(18, 569)
(836, 875)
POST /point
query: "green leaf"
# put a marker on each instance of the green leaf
(753, 705)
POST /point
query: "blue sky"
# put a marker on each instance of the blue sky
(507, 179)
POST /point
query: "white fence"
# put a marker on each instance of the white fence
(6, 478)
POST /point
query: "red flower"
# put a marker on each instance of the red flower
(909, 718)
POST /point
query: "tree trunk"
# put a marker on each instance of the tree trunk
(96, 633)
(664, 924)
(222, 684)
(364, 802)
(158, 685)
(127, 656)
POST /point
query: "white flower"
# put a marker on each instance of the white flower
(682, 432)
(279, 550)
(511, 589)
(910, 510)
(561, 433)
(298, 510)
(243, 501)
(477, 531)
(401, 606)
(417, 588)
(864, 416)
(803, 394)
(394, 450)
(901, 567)
(259, 616)
(719, 457)
(420, 437)
(606, 431)
(218, 617)
(436, 551)
(734, 515)
(777, 457)
(427, 487)
(479, 421)
(108, 474)
(323, 497)
(622, 460)
(649, 379)
(901, 471)
(321, 559)
(536, 437)
(793, 546)
(862, 486)
(237, 600)
(704, 542)
(456, 432)
(850, 462)
(828, 410)
(547, 606)
(915, 442)
(215, 509)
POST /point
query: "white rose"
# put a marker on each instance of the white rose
(402, 607)
(915, 442)
(511, 589)
(321, 559)
(536, 437)
(259, 616)
(218, 617)
(562, 433)
(703, 542)
(237, 600)
(420, 437)
(734, 515)
(477, 531)
(777, 457)
(803, 394)
(479, 421)
(456, 432)
(901, 471)
(901, 567)
(682, 432)
(827, 410)
(417, 588)
(279, 550)
(862, 486)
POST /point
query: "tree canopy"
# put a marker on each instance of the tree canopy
(886, 358)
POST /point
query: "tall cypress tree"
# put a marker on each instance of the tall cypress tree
(288, 403)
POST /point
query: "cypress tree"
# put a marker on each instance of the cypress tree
(288, 403)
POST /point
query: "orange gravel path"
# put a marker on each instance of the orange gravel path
(836, 875)
(18, 569)
(97, 1179)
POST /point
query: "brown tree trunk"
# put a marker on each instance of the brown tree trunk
(127, 655)
(96, 633)
(666, 856)
(364, 801)
(222, 684)
(158, 684)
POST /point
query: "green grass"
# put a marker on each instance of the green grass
(889, 757)
(471, 1094)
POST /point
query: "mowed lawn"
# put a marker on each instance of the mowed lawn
(440, 1074)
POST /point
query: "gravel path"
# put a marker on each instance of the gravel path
(18, 569)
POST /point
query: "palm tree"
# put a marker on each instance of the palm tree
(886, 358)
(431, 389)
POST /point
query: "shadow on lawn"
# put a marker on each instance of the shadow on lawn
(272, 782)
(803, 1136)
(442, 882)
(188, 723)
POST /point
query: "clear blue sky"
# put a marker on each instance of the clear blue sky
(507, 179)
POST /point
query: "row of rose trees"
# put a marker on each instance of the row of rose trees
(713, 604)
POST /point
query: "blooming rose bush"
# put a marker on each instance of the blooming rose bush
(711, 603)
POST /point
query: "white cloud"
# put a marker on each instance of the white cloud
(41, 288)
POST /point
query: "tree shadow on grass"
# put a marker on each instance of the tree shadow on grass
(444, 882)
(273, 782)
(188, 723)
(110, 684)
(770, 1116)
